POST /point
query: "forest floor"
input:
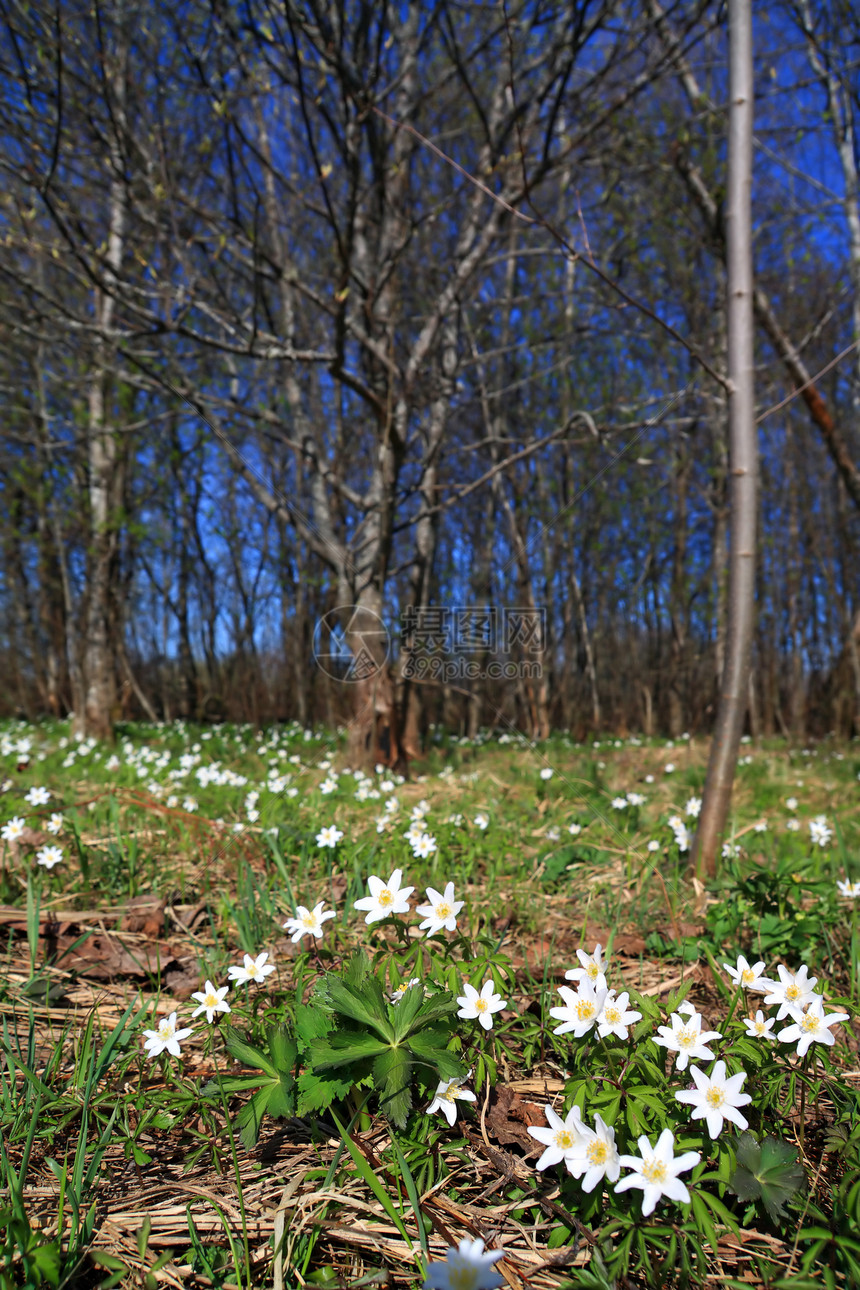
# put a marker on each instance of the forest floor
(314, 1129)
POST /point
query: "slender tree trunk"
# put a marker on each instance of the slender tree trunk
(742, 447)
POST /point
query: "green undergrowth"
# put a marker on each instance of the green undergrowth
(352, 1047)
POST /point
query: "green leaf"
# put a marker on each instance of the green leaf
(363, 1006)
(250, 1118)
(282, 1048)
(405, 1012)
(316, 1094)
(342, 1048)
(249, 1055)
(428, 1046)
(769, 1172)
(440, 1005)
(391, 1074)
(312, 1023)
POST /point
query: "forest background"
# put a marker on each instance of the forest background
(420, 309)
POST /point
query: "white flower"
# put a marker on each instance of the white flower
(686, 1037)
(693, 807)
(760, 1027)
(653, 845)
(37, 797)
(792, 990)
(385, 899)
(424, 846)
(669, 767)
(682, 833)
(615, 1016)
(793, 826)
(546, 773)
(211, 1001)
(593, 966)
(308, 922)
(49, 856)
(448, 1093)
(482, 1006)
(562, 1139)
(811, 1026)
(329, 837)
(636, 799)
(189, 804)
(165, 1038)
(849, 889)
(750, 978)
(397, 995)
(467, 1268)
(55, 823)
(482, 821)
(716, 1098)
(581, 1009)
(620, 803)
(597, 1156)
(656, 1171)
(574, 829)
(441, 912)
(252, 969)
(820, 831)
(791, 803)
(12, 831)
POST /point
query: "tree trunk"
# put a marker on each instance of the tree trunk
(742, 448)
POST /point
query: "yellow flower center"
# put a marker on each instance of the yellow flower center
(810, 1023)
(165, 1029)
(747, 976)
(385, 898)
(792, 992)
(443, 909)
(761, 1027)
(597, 1153)
(593, 971)
(462, 1278)
(481, 1005)
(585, 1010)
(613, 1015)
(564, 1139)
(654, 1171)
(308, 920)
(715, 1097)
(211, 1001)
(252, 970)
(687, 1037)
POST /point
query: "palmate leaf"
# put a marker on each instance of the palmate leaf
(769, 1172)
